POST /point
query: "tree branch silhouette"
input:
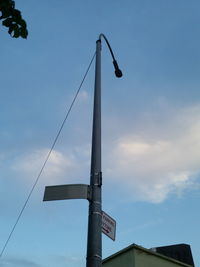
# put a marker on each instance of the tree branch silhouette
(12, 19)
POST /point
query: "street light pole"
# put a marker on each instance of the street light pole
(94, 245)
(90, 192)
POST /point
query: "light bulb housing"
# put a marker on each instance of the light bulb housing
(118, 72)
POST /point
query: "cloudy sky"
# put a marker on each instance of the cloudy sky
(150, 127)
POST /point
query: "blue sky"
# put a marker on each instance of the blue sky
(150, 126)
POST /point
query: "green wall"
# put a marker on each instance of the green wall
(138, 257)
(125, 259)
(144, 259)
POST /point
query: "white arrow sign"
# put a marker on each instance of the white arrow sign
(108, 226)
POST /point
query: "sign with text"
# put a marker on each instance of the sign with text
(108, 226)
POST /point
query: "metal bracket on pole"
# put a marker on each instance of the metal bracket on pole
(100, 179)
(69, 191)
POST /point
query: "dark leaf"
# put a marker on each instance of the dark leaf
(12, 29)
(16, 33)
(6, 12)
(7, 22)
(12, 4)
(22, 22)
(6, 4)
(23, 32)
(16, 14)
(12, 19)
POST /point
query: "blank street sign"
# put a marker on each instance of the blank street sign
(69, 191)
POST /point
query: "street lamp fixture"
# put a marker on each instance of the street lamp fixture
(94, 246)
(90, 192)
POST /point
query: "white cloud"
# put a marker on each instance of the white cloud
(160, 162)
(31, 163)
(69, 167)
(83, 95)
(149, 165)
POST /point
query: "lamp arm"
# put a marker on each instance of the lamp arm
(118, 72)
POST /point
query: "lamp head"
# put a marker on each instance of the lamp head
(118, 72)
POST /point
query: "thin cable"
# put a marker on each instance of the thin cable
(48, 155)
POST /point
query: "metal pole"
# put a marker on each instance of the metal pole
(94, 245)
(90, 192)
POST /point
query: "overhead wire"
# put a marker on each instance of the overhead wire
(46, 159)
